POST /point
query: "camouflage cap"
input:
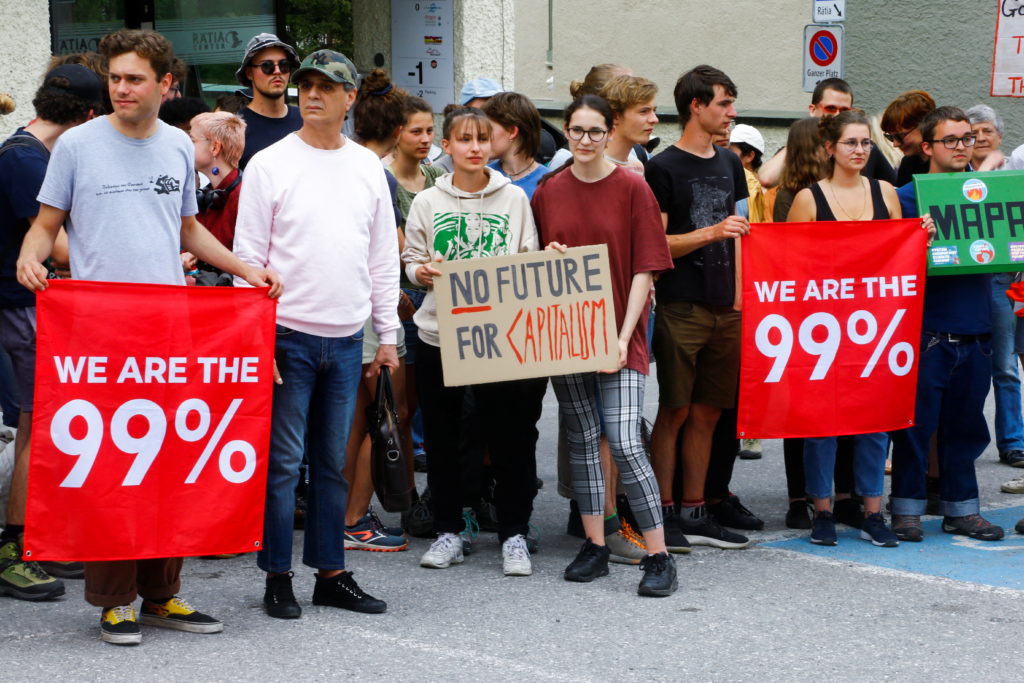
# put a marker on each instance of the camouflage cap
(331, 64)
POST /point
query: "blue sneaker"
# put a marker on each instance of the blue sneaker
(823, 532)
(366, 534)
(874, 529)
(472, 530)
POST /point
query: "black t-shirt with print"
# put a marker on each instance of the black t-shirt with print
(695, 193)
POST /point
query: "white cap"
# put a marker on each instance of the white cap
(748, 134)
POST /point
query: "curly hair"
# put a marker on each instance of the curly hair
(55, 104)
(147, 44)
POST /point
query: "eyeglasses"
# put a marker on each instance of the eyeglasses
(951, 142)
(267, 67)
(595, 134)
(850, 145)
(834, 109)
(897, 138)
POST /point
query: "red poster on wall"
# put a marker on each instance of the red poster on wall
(151, 423)
(831, 327)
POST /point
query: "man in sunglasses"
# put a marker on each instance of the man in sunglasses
(265, 68)
(954, 371)
(830, 97)
(900, 122)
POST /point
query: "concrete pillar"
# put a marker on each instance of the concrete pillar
(24, 52)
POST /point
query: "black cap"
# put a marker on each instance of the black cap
(83, 82)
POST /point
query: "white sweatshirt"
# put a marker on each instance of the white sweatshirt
(323, 219)
(444, 220)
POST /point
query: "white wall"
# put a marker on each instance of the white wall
(24, 53)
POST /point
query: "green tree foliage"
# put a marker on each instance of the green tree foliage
(316, 24)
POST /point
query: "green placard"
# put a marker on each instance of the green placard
(979, 221)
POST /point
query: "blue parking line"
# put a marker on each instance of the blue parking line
(993, 563)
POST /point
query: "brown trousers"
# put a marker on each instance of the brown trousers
(111, 584)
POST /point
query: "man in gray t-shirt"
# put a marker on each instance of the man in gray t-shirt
(125, 188)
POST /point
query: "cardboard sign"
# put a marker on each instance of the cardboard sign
(1008, 50)
(831, 326)
(979, 221)
(526, 315)
(152, 421)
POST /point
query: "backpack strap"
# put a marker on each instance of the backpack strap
(24, 141)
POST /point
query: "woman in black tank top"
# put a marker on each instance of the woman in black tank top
(844, 194)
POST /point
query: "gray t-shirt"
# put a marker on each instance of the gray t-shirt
(125, 198)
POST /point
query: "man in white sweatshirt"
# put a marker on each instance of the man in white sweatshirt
(315, 207)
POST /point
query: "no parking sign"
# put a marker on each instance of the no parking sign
(823, 54)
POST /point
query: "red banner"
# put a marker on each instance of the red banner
(152, 421)
(831, 327)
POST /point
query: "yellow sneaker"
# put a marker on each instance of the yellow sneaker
(118, 626)
(178, 614)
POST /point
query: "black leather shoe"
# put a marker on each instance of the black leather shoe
(659, 576)
(279, 600)
(590, 563)
(343, 591)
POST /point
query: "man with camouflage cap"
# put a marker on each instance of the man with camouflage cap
(265, 68)
(317, 207)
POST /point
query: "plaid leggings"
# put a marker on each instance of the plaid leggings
(622, 399)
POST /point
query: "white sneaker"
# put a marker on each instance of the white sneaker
(444, 552)
(516, 557)
(1013, 486)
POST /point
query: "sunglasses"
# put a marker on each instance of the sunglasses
(834, 109)
(897, 138)
(267, 67)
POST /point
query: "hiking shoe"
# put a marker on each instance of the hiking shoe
(700, 528)
(342, 591)
(279, 599)
(590, 563)
(908, 528)
(625, 545)
(675, 539)
(873, 529)
(732, 513)
(1013, 458)
(515, 556)
(798, 516)
(750, 449)
(177, 614)
(660, 578)
(118, 626)
(64, 570)
(470, 532)
(823, 531)
(974, 526)
(25, 580)
(418, 520)
(1013, 486)
(369, 534)
(443, 552)
(847, 511)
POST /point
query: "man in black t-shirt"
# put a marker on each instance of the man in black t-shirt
(265, 67)
(697, 324)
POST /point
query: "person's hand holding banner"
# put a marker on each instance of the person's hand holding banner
(831, 327)
(151, 423)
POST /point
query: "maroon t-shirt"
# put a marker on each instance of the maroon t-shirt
(221, 221)
(619, 210)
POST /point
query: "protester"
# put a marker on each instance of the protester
(900, 123)
(472, 213)
(632, 100)
(69, 96)
(697, 329)
(412, 149)
(118, 150)
(748, 144)
(515, 139)
(219, 138)
(265, 68)
(845, 194)
(282, 224)
(592, 201)
(597, 77)
(180, 111)
(179, 71)
(954, 368)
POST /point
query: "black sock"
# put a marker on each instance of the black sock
(12, 532)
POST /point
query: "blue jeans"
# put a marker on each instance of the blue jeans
(869, 451)
(1005, 382)
(952, 383)
(317, 399)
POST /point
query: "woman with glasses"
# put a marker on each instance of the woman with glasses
(591, 200)
(844, 194)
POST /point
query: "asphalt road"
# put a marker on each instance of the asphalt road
(766, 613)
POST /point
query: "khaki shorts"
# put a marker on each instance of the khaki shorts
(697, 349)
(371, 341)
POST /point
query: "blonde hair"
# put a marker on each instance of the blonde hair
(596, 79)
(623, 92)
(6, 103)
(225, 128)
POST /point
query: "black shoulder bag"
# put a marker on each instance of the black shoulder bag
(388, 464)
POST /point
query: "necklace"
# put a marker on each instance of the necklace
(863, 203)
(529, 167)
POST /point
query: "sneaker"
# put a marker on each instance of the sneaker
(823, 531)
(1013, 486)
(590, 563)
(974, 526)
(732, 513)
(660, 578)
(515, 556)
(750, 449)
(470, 532)
(443, 552)
(64, 570)
(368, 534)
(177, 614)
(118, 626)
(389, 530)
(1013, 458)
(798, 516)
(625, 545)
(873, 529)
(908, 528)
(418, 520)
(279, 599)
(25, 580)
(675, 539)
(533, 540)
(701, 528)
(342, 591)
(847, 511)
(1019, 526)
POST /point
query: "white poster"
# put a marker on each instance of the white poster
(1008, 55)
(423, 50)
